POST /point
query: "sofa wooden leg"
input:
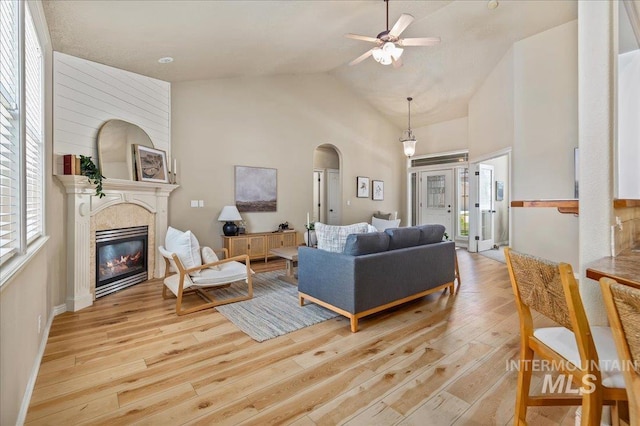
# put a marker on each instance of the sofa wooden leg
(301, 299)
(354, 324)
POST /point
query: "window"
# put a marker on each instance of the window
(21, 131)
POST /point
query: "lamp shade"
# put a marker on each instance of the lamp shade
(229, 214)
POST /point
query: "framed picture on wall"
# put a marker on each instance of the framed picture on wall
(256, 189)
(362, 185)
(151, 164)
(377, 190)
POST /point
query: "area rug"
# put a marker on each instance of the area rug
(274, 309)
(495, 254)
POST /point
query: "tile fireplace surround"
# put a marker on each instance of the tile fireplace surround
(126, 204)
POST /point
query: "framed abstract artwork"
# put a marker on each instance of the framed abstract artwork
(256, 189)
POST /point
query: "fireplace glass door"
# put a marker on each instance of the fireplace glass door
(121, 259)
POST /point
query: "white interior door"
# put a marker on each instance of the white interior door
(486, 210)
(318, 196)
(333, 197)
(436, 199)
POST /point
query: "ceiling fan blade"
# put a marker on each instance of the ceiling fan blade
(422, 41)
(362, 57)
(361, 37)
(397, 63)
(401, 24)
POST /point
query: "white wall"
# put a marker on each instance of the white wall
(628, 145)
(545, 135)
(34, 291)
(441, 137)
(491, 111)
(87, 94)
(276, 122)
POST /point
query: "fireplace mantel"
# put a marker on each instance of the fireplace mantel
(83, 204)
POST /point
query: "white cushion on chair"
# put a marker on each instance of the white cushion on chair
(563, 341)
(229, 272)
(186, 246)
(209, 256)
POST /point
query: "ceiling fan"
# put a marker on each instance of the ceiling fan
(388, 43)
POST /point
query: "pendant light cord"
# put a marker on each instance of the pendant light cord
(409, 99)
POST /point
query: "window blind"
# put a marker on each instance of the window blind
(9, 142)
(34, 137)
(21, 152)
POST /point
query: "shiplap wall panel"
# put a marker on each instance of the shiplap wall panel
(87, 94)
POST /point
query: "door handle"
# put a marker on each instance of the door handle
(330, 210)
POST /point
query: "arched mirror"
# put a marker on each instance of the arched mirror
(115, 151)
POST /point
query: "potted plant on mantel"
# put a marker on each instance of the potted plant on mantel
(89, 169)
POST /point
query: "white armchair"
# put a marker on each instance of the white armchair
(198, 279)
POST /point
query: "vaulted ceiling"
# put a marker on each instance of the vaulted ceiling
(218, 39)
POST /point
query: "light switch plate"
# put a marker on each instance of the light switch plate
(200, 203)
(194, 203)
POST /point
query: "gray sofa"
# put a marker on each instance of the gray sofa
(377, 271)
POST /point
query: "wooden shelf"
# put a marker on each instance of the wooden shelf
(621, 203)
(563, 206)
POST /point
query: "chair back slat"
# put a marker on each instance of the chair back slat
(627, 303)
(540, 286)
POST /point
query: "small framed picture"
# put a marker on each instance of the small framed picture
(377, 190)
(151, 164)
(362, 187)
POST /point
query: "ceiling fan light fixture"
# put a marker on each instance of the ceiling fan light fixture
(377, 54)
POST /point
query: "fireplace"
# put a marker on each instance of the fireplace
(121, 259)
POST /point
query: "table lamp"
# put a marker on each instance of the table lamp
(228, 215)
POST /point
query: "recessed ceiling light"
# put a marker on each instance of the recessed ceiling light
(492, 4)
(165, 60)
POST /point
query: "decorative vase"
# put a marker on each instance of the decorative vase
(310, 235)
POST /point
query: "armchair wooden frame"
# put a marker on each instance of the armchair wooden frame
(201, 289)
(551, 290)
(623, 309)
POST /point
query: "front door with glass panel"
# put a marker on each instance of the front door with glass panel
(436, 199)
(485, 207)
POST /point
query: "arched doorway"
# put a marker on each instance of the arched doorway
(327, 185)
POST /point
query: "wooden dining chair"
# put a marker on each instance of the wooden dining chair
(574, 348)
(623, 309)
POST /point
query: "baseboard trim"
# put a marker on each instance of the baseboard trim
(28, 392)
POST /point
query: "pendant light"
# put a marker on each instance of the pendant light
(408, 139)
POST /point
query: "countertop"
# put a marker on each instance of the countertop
(624, 268)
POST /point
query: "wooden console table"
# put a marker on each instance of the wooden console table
(258, 245)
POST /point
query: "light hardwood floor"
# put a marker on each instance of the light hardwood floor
(440, 360)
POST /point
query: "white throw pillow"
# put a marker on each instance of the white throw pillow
(209, 256)
(185, 245)
(333, 238)
(382, 224)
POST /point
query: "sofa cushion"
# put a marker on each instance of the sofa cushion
(380, 215)
(359, 244)
(403, 237)
(333, 238)
(382, 224)
(430, 234)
